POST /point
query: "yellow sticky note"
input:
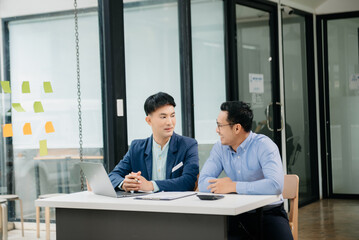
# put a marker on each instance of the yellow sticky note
(27, 129)
(6, 86)
(43, 147)
(25, 88)
(17, 107)
(7, 130)
(38, 107)
(47, 87)
(49, 128)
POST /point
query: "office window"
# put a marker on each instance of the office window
(40, 154)
(208, 71)
(152, 60)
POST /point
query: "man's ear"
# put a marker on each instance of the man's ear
(148, 120)
(238, 128)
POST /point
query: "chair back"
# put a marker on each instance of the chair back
(196, 184)
(291, 192)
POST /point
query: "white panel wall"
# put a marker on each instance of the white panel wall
(321, 6)
(338, 6)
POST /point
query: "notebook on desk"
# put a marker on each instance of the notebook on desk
(100, 183)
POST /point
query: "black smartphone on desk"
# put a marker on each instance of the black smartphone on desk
(209, 197)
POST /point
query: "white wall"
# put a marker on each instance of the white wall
(321, 6)
(337, 6)
(296, 4)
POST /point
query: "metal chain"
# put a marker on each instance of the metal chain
(78, 90)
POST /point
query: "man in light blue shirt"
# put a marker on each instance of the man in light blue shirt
(253, 165)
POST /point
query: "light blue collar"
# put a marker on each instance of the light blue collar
(244, 145)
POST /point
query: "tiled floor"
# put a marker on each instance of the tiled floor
(330, 219)
(326, 219)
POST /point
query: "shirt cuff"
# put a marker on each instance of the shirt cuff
(155, 186)
(120, 185)
(241, 188)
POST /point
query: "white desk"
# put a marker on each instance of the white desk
(85, 215)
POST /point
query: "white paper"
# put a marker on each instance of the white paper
(256, 83)
(354, 82)
(166, 195)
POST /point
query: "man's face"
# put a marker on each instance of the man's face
(162, 121)
(225, 129)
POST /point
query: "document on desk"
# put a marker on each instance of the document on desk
(165, 196)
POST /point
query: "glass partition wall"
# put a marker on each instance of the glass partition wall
(343, 84)
(39, 108)
(301, 152)
(208, 71)
(152, 60)
(255, 66)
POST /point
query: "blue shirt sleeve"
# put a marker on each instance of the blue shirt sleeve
(271, 164)
(211, 169)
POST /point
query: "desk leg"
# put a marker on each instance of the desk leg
(112, 225)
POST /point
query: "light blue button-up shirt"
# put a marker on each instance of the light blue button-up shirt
(159, 162)
(256, 166)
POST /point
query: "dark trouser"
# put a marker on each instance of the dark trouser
(275, 225)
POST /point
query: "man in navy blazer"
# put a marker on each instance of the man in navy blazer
(163, 162)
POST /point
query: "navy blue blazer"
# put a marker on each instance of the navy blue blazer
(182, 163)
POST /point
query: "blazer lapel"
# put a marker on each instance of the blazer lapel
(171, 155)
(148, 158)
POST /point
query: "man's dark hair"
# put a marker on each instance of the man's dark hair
(158, 100)
(239, 112)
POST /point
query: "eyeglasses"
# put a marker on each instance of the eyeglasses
(223, 125)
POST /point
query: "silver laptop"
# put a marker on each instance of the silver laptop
(100, 182)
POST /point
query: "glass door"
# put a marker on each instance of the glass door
(342, 38)
(257, 66)
(301, 140)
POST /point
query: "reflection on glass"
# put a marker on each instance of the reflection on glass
(208, 71)
(43, 160)
(152, 60)
(296, 103)
(343, 69)
(254, 66)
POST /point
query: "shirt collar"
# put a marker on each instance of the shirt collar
(244, 145)
(157, 146)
